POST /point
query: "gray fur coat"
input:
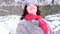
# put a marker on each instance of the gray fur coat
(28, 27)
(32, 27)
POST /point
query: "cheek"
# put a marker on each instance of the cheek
(28, 9)
(35, 8)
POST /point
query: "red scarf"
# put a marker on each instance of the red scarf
(41, 22)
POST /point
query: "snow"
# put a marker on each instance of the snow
(46, 2)
(53, 21)
(3, 30)
(8, 23)
(57, 2)
(41, 3)
(53, 17)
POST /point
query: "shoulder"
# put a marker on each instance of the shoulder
(22, 21)
(26, 22)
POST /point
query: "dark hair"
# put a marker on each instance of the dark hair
(25, 12)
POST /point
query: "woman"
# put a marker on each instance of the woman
(31, 20)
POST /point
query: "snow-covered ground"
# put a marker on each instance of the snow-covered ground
(8, 24)
(53, 21)
(53, 17)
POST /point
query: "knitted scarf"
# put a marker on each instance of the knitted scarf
(41, 22)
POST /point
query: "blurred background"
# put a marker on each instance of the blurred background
(10, 11)
(48, 7)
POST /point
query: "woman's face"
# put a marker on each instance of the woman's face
(31, 8)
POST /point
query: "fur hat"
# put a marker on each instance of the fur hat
(29, 1)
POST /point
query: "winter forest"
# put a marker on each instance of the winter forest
(10, 12)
